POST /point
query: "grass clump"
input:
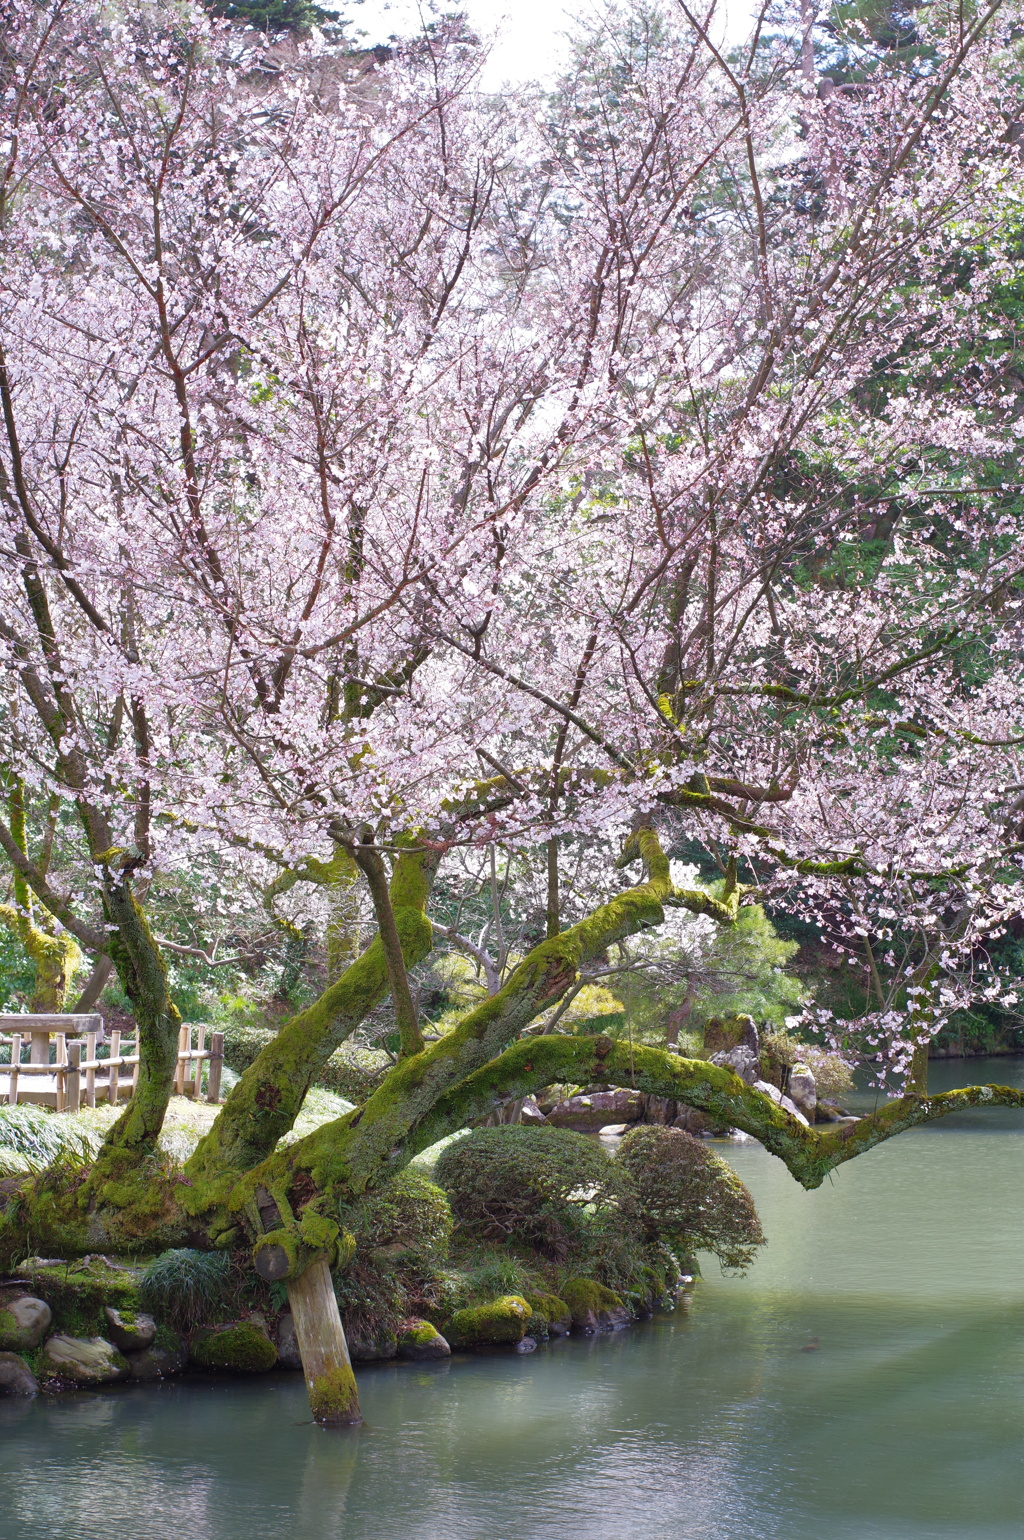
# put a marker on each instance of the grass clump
(185, 1287)
(42, 1139)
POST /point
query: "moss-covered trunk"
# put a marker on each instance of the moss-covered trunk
(143, 974)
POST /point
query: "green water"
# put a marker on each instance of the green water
(906, 1422)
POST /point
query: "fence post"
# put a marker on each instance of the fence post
(216, 1063)
(61, 1067)
(197, 1079)
(90, 1074)
(73, 1081)
(12, 1095)
(115, 1065)
(184, 1043)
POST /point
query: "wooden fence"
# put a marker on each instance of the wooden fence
(79, 1075)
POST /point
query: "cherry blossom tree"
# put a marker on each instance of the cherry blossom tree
(388, 470)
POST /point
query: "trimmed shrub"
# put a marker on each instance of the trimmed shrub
(531, 1186)
(243, 1045)
(675, 1189)
(352, 1071)
(409, 1214)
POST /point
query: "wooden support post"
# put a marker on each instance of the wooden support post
(216, 1064)
(90, 1073)
(12, 1095)
(330, 1381)
(73, 1081)
(115, 1066)
(197, 1078)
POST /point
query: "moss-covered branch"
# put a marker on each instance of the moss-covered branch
(808, 1153)
(355, 1151)
(267, 1099)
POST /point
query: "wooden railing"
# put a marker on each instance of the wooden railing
(79, 1074)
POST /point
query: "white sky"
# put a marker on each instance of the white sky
(527, 33)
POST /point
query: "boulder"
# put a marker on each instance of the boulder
(167, 1355)
(554, 1312)
(593, 1307)
(743, 1061)
(527, 1345)
(502, 1323)
(691, 1121)
(371, 1350)
(593, 1111)
(128, 1330)
(240, 1347)
(24, 1321)
(16, 1378)
(288, 1356)
(530, 1112)
(802, 1090)
(421, 1343)
(67, 1361)
(724, 1033)
(766, 1087)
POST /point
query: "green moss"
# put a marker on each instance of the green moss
(267, 1099)
(550, 1307)
(588, 1299)
(502, 1322)
(77, 1291)
(333, 1397)
(243, 1348)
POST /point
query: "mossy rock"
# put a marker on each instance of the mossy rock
(502, 1323)
(69, 1361)
(420, 1342)
(554, 1312)
(592, 1306)
(724, 1033)
(24, 1322)
(78, 1291)
(240, 1347)
(167, 1355)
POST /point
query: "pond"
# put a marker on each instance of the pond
(864, 1382)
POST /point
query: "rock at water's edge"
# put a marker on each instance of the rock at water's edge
(16, 1378)
(163, 1358)
(502, 1323)
(128, 1331)
(81, 1361)
(421, 1343)
(241, 1347)
(288, 1356)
